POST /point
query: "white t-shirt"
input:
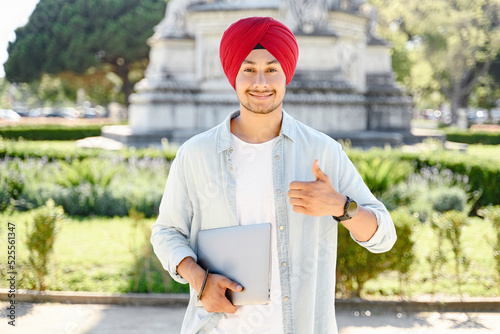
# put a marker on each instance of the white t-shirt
(252, 164)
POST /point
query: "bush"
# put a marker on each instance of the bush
(67, 150)
(40, 238)
(356, 265)
(11, 184)
(449, 226)
(448, 199)
(481, 175)
(492, 215)
(402, 254)
(469, 137)
(89, 187)
(381, 173)
(50, 132)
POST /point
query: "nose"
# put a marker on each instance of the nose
(260, 80)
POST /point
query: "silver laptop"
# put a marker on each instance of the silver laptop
(242, 254)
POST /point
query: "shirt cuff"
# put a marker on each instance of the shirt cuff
(176, 258)
(384, 238)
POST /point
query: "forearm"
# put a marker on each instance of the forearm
(191, 272)
(363, 225)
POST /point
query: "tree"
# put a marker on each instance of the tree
(457, 38)
(485, 95)
(77, 35)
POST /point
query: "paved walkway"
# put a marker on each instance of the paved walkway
(55, 318)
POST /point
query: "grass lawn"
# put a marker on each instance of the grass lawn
(484, 151)
(480, 279)
(90, 254)
(106, 254)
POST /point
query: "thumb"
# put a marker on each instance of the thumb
(233, 286)
(318, 173)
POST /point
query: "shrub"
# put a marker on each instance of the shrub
(449, 226)
(469, 137)
(11, 184)
(67, 150)
(356, 265)
(481, 175)
(49, 132)
(402, 254)
(40, 238)
(381, 173)
(448, 199)
(492, 215)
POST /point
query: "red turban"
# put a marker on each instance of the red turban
(243, 36)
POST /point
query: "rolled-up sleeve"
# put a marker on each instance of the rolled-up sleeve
(352, 185)
(170, 233)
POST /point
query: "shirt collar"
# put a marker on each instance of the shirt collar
(224, 141)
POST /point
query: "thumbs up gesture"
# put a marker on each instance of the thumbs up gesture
(316, 198)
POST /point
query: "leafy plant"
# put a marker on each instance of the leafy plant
(449, 199)
(40, 237)
(402, 253)
(380, 174)
(449, 226)
(91, 171)
(492, 215)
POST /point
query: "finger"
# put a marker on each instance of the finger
(295, 194)
(233, 286)
(318, 173)
(299, 209)
(297, 201)
(297, 185)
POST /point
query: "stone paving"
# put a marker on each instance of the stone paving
(56, 318)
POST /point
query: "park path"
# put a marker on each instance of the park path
(55, 318)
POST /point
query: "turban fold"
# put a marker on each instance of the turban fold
(242, 36)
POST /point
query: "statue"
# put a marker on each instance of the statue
(174, 23)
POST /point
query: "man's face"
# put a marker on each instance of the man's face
(260, 83)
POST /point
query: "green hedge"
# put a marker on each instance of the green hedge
(483, 174)
(468, 137)
(50, 132)
(67, 150)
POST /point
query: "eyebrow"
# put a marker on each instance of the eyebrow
(274, 61)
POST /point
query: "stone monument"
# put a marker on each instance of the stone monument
(343, 85)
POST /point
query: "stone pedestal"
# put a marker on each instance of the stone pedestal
(343, 83)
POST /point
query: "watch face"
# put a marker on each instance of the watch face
(352, 209)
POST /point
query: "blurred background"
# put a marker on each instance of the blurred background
(83, 215)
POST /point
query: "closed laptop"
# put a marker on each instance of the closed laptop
(242, 254)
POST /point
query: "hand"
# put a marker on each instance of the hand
(214, 297)
(316, 198)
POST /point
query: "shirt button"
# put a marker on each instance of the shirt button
(278, 192)
(283, 264)
(230, 169)
(276, 157)
(285, 299)
(230, 202)
(282, 227)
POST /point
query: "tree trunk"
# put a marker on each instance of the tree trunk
(122, 71)
(454, 100)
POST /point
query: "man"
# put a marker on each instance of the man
(260, 165)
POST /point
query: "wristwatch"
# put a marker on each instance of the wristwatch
(350, 210)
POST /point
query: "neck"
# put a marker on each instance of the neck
(257, 128)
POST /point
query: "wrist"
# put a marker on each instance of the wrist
(349, 211)
(338, 206)
(191, 272)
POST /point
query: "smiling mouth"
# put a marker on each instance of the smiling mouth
(260, 95)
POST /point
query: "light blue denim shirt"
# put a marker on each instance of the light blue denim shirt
(200, 194)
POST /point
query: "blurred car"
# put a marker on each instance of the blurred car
(67, 113)
(9, 115)
(477, 116)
